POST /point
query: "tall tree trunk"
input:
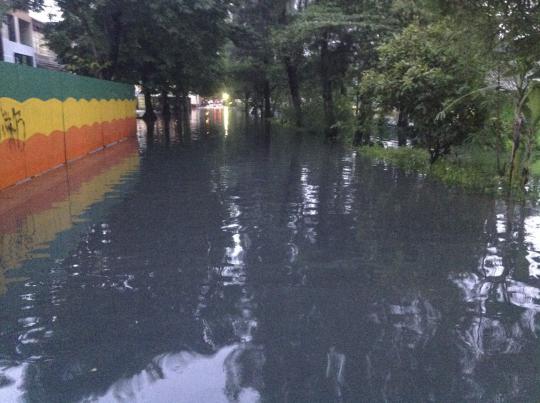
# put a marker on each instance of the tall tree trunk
(529, 146)
(187, 100)
(186, 128)
(402, 128)
(326, 83)
(294, 88)
(149, 114)
(167, 127)
(364, 119)
(267, 100)
(115, 36)
(367, 138)
(178, 104)
(186, 110)
(357, 140)
(499, 127)
(150, 129)
(516, 141)
(165, 108)
(292, 72)
(498, 152)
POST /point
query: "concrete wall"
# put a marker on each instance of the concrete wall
(50, 118)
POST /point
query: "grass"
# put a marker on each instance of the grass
(471, 169)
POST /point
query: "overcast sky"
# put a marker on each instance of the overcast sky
(50, 8)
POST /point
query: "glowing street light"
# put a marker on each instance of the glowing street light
(225, 96)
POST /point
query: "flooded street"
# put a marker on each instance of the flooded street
(220, 264)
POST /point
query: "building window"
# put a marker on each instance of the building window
(9, 20)
(24, 59)
(25, 32)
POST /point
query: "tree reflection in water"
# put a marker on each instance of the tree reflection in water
(501, 317)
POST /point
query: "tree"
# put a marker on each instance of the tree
(337, 37)
(291, 52)
(163, 45)
(252, 59)
(510, 34)
(421, 73)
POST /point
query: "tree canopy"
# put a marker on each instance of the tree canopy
(160, 44)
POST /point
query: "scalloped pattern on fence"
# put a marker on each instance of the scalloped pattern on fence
(49, 118)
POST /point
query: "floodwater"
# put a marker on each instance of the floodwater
(229, 264)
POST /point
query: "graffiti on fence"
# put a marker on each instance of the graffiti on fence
(12, 125)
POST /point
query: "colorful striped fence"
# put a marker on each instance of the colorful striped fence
(49, 118)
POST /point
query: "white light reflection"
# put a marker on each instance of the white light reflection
(348, 174)
(235, 255)
(183, 377)
(310, 205)
(234, 270)
(532, 237)
(13, 378)
(226, 120)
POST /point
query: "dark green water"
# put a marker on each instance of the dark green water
(226, 265)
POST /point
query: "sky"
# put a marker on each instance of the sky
(50, 8)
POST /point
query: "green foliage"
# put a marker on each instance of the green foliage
(356, 18)
(509, 34)
(425, 72)
(408, 159)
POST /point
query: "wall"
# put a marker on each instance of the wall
(49, 118)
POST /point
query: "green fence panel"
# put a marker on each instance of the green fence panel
(22, 82)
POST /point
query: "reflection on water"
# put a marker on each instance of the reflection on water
(226, 120)
(225, 265)
(33, 215)
(180, 377)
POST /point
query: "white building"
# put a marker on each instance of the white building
(17, 38)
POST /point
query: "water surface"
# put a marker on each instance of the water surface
(226, 263)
